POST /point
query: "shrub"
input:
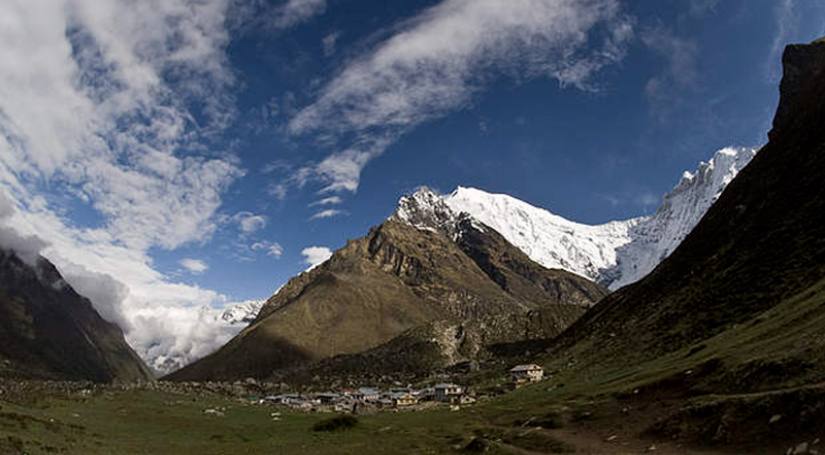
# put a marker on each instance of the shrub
(335, 424)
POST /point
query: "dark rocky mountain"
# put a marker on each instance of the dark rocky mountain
(739, 307)
(443, 282)
(760, 244)
(48, 331)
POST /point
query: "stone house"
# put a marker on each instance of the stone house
(522, 374)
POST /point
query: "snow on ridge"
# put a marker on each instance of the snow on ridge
(242, 312)
(658, 235)
(548, 239)
(424, 209)
(616, 253)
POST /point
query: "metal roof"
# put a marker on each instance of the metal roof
(528, 367)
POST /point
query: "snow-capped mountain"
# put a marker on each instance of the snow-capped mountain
(242, 313)
(548, 239)
(426, 210)
(615, 253)
(655, 237)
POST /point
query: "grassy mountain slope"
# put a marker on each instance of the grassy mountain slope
(395, 279)
(48, 331)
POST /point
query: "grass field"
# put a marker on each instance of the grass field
(751, 389)
(156, 422)
(532, 420)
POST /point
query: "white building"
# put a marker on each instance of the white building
(447, 392)
(527, 373)
(366, 394)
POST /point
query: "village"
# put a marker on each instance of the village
(370, 399)
(346, 400)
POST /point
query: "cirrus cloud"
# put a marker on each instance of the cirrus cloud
(440, 60)
(273, 249)
(328, 213)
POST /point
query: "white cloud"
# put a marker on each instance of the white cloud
(27, 247)
(106, 293)
(796, 22)
(329, 43)
(648, 200)
(278, 191)
(194, 266)
(249, 222)
(294, 12)
(700, 7)
(273, 249)
(97, 102)
(439, 60)
(332, 200)
(328, 213)
(267, 16)
(681, 72)
(316, 255)
(86, 104)
(787, 20)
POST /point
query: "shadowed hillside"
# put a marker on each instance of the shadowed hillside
(48, 331)
(740, 306)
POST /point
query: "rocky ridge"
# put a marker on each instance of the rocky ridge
(414, 269)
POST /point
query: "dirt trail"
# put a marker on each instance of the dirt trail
(607, 442)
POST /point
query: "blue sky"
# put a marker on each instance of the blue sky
(179, 154)
(591, 156)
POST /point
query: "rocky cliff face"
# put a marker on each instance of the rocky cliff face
(48, 331)
(408, 272)
(802, 67)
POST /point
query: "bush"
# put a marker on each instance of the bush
(477, 445)
(335, 424)
(550, 421)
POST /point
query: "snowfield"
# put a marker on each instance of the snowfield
(614, 254)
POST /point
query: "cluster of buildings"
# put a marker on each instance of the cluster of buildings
(365, 398)
(354, 400)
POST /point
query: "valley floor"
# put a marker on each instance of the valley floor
(530, 421)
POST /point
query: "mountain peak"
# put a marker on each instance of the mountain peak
(718, 171)
(802, 69)
(615, 253)
(655, 237)
(424, 209)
